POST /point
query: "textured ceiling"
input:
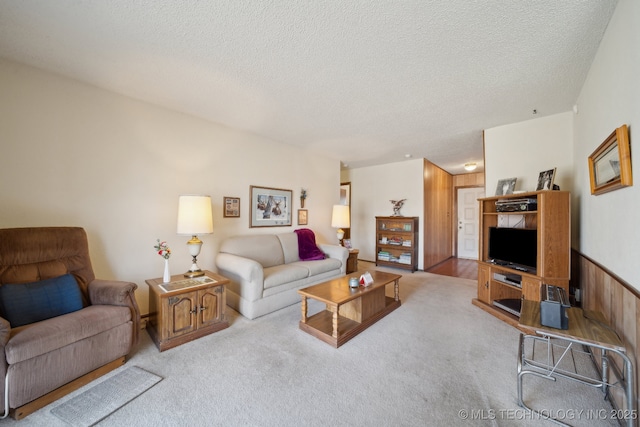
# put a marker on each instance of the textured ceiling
(367, 82)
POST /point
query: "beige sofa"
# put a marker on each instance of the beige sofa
(266, 271)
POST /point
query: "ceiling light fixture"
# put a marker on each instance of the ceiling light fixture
(470, 166)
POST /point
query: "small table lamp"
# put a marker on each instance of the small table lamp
(194, 217)
(340, 219)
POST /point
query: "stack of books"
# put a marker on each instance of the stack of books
(395, 241)
(384, 256)
(405, 258)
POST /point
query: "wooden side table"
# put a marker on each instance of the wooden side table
(352, 261)
(186, 309)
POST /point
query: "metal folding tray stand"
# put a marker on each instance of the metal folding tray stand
(587, 332)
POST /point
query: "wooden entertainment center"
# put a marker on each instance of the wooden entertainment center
(552, 221)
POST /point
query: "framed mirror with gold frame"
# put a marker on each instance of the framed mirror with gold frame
(610, 163)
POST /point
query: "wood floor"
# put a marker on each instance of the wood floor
(456, 267)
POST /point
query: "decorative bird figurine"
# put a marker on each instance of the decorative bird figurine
(397, 205)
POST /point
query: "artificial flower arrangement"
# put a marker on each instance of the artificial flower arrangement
(303, 196)
(163, 249)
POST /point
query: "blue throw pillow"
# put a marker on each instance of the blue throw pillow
(26, 303)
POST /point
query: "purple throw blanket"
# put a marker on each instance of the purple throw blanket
(307, 248)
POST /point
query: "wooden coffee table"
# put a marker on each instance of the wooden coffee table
(348, 311)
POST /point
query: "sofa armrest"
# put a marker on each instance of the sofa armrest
(113, 292)
(245, 274)
(337, 252)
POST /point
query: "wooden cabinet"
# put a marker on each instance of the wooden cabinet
(352, 261)
(186, 309)
(439, 221)
(484, 279)
(397, 242)
(552, 222)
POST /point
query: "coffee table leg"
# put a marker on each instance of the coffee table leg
(396, 290)
(303, 307)
(335, 322)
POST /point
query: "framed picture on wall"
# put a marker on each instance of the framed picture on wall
(610, 163)
(231, 207)
(270, 207)
(303, 218)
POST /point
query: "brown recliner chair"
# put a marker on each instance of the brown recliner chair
(43, 360)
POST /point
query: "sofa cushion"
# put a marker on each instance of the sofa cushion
(279, 274)
(265, 249)
(307, 248)
(319, 266)
(289, 242)
(26, 303)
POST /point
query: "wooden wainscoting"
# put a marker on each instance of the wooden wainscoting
(603, 291)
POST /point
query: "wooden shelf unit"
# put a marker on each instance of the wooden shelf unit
(397, 236)
(552, 220)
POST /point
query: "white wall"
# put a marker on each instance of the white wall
(76, 155)
(372, 188)
(609, 231)
(523, 150)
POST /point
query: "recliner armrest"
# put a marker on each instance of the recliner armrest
(111, 292)
(5, 332)
(114, 292)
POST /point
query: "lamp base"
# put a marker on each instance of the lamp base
(192, 274)
(194, 271)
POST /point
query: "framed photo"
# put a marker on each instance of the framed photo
(231, 207)
(302, 217)
(506, 186)
(346, 243)
(270, 207)
(545, 180)
(610, 164)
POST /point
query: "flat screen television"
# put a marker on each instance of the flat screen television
(514, 247)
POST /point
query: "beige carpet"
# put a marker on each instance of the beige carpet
(437, 360)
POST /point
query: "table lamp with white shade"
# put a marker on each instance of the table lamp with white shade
(340, 219)
(194, 217)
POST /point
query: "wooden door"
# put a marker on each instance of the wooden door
(181, 312)
(438, 231)
(484, 279)
(210, 310)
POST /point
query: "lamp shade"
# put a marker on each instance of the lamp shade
(340, 217)
(194, 215)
